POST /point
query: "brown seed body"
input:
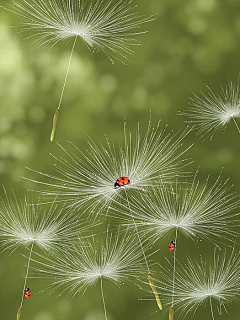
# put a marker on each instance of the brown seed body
(171, 313)
(19, 313)
(55, 120)
(154, 290)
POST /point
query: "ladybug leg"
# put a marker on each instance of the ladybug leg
(116, 185)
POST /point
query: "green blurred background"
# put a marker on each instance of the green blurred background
(192, 43)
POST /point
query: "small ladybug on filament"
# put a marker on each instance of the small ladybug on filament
(121, 182)
(27, 293)
(171, 246)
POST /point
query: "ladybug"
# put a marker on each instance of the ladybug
(121, 182)
(171, 246)
(27, 293)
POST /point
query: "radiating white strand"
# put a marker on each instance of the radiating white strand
(27, 271)
(104, 304)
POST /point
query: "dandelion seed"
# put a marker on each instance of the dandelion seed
(74, 270)
(103, 26)
(25, 225)
(204, 210)
(211, 112)
(88, 178)
(22, 224)
(198, 283)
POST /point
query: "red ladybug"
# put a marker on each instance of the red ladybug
(171, 246)
(122, 181)
(27, 293)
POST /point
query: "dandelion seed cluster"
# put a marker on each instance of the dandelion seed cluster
(158, 201)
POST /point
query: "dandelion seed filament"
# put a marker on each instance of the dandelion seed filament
(151, 280)
(174, 267)
(27, 271)
(56, 115)
(67, 73)
(235, 122)
(106, 27)
(136, 229)
(211, 308)
(104, 304)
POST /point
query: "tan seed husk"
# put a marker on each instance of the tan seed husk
(19, 313)
(55, 120)
(171, 313)
(154, 290)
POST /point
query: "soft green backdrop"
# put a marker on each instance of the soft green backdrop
(191, 43)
